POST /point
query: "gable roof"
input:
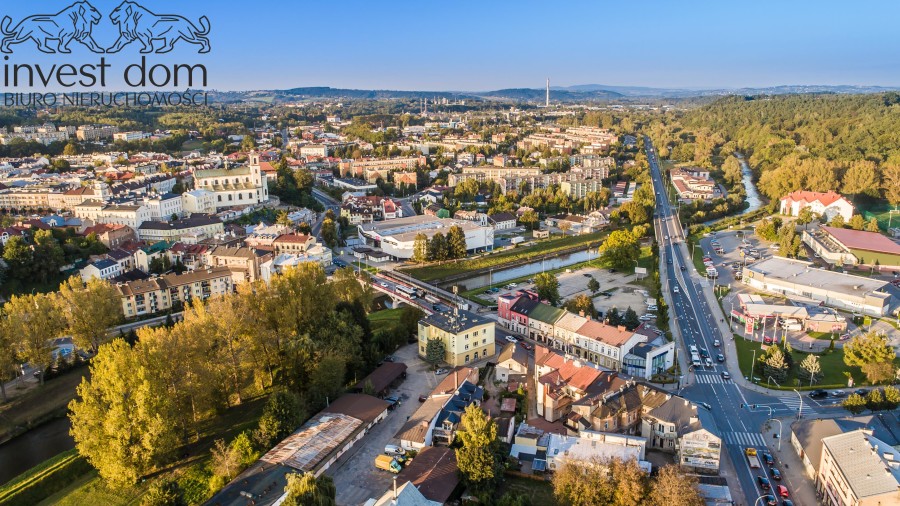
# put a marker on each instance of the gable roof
(433, 472)
(825, 198)
(613, 336)
(546, 313)
(863, 240)
(514, 352)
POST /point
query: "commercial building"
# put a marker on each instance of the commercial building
(825, 204)
(694, 184)
(790, 277)
(842, 246)
(466, 336)
(98, 212)
(590, 446)
(858, 469)
(807, 435)
(157, 294)
(397, 237)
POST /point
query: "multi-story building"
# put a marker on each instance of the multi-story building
(240, 186)
(95, 133)
(293, 243)
(578, 188)
(163, 207)
(103, 269)
(98, 212)
(467, 337)
(372, 169)
(694, 184)
(825, 204)
(161, 293)
(244, 263)
(129, 136)
(199, 201)
(197, 226)
(858, 469)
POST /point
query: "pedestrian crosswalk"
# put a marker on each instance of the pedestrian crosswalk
(744, 438)
(793, 404)
(710, 378)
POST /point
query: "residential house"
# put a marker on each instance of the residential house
(591, 446)
(103, 269)
(502, 221)
(682, 427)
(466, 336)
(198, 201)
(512, 362)
(436, 420)
(164, 207)
(111, 235)
(293, 243)
(513, 310)
(605, 345)
(192, 229)
(559, 382)
(541, 321)
(825, 204)
(244, 263)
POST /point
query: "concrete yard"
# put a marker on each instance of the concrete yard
(354, 474)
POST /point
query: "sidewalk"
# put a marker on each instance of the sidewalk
(800, 486)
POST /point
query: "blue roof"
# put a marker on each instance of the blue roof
(103, 264)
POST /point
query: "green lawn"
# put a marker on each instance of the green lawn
(832, 364)
(383, 319)
(536, 491)
(191, 145)
(433, 272)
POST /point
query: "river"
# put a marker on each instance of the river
(33, 447)
(499, 276)
(753, 198)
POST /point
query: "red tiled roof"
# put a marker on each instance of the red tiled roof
(826, 198)
(292, 238)
(267, 168)
(613, 336)
(862, 240)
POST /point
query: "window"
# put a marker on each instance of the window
(467, 358)
(467, 346)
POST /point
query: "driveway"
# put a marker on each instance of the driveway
(354, 474)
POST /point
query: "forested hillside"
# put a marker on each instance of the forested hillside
(849, 143)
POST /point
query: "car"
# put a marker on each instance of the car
(720, 357)
(683, 268)
(527, 346)
(708, 362)
(383, 284)
(716, 343)
(726, 375)
(704, 353)
(776, 474)
(845, 336)
(612, 271)
(645, 318)
(838, 393)
(771, 500)
(768, 340)
(764, 483)
(487, 292)
(393, 402)
(767, 457)
(669, 261)
(705, 405)
(440, 371)
(510, 339)
(389, 358)
(587, 275)
(787, 502)
(423, 398)
(675, 289)
(782, 491)
(861, 391)
(667, 238)
(818, 394)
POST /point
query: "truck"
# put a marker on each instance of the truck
(517, 239)
(752, 459)
(388, 463)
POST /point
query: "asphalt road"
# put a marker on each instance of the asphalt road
(740, 428)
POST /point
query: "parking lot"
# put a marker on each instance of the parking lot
(354, 474)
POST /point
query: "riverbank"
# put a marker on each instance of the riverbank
(451, 272)
(38, 404)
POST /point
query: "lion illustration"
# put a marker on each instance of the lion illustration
(137, 23)
(75, 22)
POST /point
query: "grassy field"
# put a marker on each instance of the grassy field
(40, 403)
(192, 471)
(191, 145)
(383, 319)
(537, 491)
(832, 364)
(435, 272)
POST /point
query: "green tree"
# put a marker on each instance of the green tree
(581, 303)
(872, 225)
(120, 419)
(9, 360)
(307, 490)
(620, 250)
(874, 400)
(282, 219)
(671, 486)
(530, 219)
(438, 248)
(329, 233)
(630, 319)
(420, 248)
(873, 354)
(477, 456)
(891, 398)
(248, 143)
(19, 256)
(593, 285)
(890, 174)
(774, 364)
(837, 221)
(282, 415)
(434, 352)
(48, 255)
(456, 242)
(89, 310)
(164, 493)
(854, 403)
(857, 222)
(33, 321)
(805, 216)
(861, 178)
(547, 287)
(810, 369)
(71, 149)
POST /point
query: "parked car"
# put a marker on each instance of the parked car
(527, 346)
(423, 398)
(839, 393)
(861, 391)
(510, 339)
(440, 371)
(818, 394)
(767, 340)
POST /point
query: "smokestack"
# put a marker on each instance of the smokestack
(547, 101)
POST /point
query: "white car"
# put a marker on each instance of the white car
(383, 284)
(511, 339)
(716, 343)
(675, 289)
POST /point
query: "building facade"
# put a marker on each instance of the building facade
(467, 337)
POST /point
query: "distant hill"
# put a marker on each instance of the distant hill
(539, 95)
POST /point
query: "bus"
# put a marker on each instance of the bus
(411, 292)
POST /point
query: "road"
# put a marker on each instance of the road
(699, 323)
(329, 203)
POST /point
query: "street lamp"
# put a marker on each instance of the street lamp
(692, 250)
(765, 496)
(800, 413)
(779, 431)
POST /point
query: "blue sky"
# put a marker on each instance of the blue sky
(483, 45)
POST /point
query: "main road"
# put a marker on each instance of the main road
(699, 323)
